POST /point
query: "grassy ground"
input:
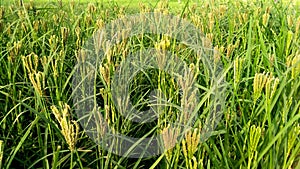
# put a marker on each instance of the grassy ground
(258, 44)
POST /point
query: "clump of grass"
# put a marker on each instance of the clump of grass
(257, 43)
(69, 129)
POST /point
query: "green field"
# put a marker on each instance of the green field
(254, 46)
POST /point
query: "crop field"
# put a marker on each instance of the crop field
(150, 84)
